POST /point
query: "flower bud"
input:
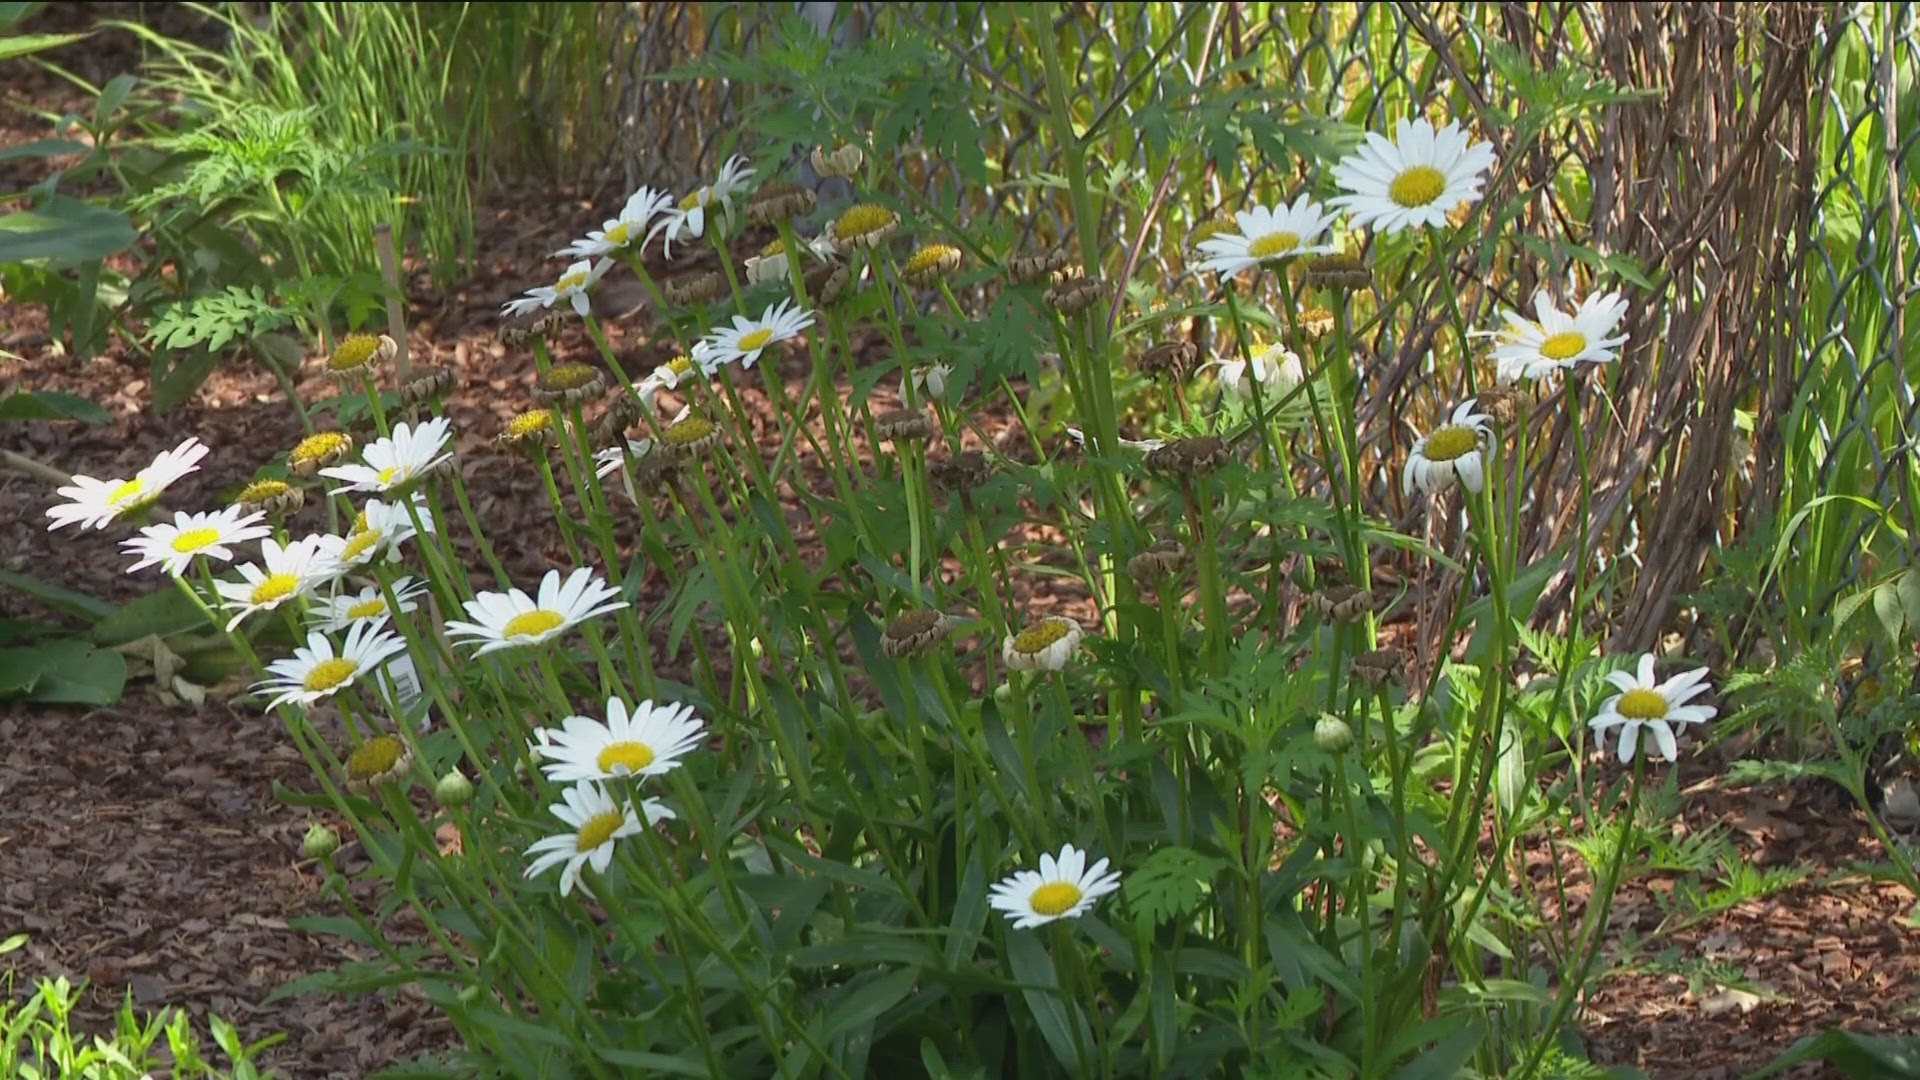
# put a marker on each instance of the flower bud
(321, 842)
(1331, 734)
(453, 789)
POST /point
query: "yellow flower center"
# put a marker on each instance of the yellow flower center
(599, 829)
(1451, 442)
(274, 589)
(1037, 638)
(532, 623)
(572, 282)
(1211, 228)
(193, 540)
(368, 609)
(360, 522)
(1272, 244)
(687, 432)
(1642, 705)
(322, 447)
(680, 366)
(530, 423)
(264, 491)
(1055, 897)
(697, 199)
(389, 474)
(930, 259)
(756, 340)
(774, 247)
(329, 674)
(618, 234)
(1564, 345)
(1417, 186)
(568, 377)
(631, 756)
(863, 220)
(359, 543)
(354, 352)
(375, 757)
(126, 492)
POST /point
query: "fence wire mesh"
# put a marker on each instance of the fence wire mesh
(1762, 186)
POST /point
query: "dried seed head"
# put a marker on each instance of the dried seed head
(1031, 266)
(1379, 666)
(1072, 295)
(530, 430)
(930, 264)
(1169, 361)
(777, 201)
(914, 631)
(517, 330)
(1500, 402)
(382, 759)
(1342, 603)
(359, 354)
(904, 425)
(425, 384)
(961, 473)
(271, 496)
(1189, 457)
(841, 162)
(1163, 558)
(692, 434)
(863, 225)
(568, 384)
(690, 289)
(1338, 272)
(1316, 322)
(319, 450)
(611, 429)
(827, 283)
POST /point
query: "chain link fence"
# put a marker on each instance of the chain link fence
(1761, 185)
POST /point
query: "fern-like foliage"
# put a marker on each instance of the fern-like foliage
(215, 320)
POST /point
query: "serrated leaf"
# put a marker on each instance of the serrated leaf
(1171, 883)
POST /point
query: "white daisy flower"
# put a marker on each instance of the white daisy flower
(1455, 452)
(368, 605)
(1045, 645)
(688, 220)
(1268, 235)
(622, 230)
(397, 460)
(1064, 887)
(1414, 180)
(94, 504)
(648, 741)
(316, 671)
(1145, 446)
(211, 534)
(1276, 369)
(509, 619)
(283, 574)
(771, 264)
(1559, 339)
(571, 287)
(379, 529)
(746, 339)
(669, 376)
(1654, 706)
(597, 820)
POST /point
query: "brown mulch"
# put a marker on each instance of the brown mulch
(142, 846)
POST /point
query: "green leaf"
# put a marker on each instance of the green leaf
(1062, 1029)
(1443, 1061)
(1888, 608)
(51, 405)
(862, 1007)
(1864, 1057)
(65, 671)
(1170, 883)
(44, 148)
(653, 1063)
(1909, 590)
(64, 230)
(13, 48)
(162, 613)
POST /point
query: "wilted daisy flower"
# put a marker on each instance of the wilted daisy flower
(1654, 706)
(1414, 180)
(320, 449)
(358, 354)
(426, 383)
(367, 605)
(1031, 266)
(509, 619)
(863, 225)
(746, 339)
(931, 380)
(700, 288)
(597, 820)
(930, 264)
(1276, 369)
(532, 428)
(315, 671)
(623, 229)
(283, 574)
(772, 262)
(1454, 452)
(94, 504)
(397, 460)
(841, 162)
(649, 740)
(1064, 887)
(781, 200)
(568, 384)
(915, 630)
(571, 287)
(688, 435)
(688, 220)
(1045, 645)
(1268, 235)
(212, 534)
(381, 760)
(270, 497)
(1559, 340)
(669, 376)
(379, 529)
